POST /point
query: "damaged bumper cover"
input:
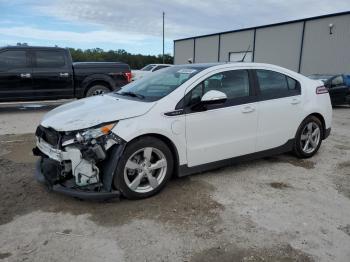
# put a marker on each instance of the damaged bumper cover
(81, 170)
(71, 190)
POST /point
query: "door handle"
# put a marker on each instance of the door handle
(248, 109)
(27, 75)
(64, 74)
(295, 101)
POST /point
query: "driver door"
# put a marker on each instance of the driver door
(216, 132)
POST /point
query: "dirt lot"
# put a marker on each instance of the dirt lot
(274, 209)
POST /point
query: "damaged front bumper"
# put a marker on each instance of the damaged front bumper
(70, 189)
(81, 171)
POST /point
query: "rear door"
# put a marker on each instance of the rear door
(52, 74)
(15, 75)
(279, 108)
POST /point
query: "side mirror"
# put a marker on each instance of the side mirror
(213, 97)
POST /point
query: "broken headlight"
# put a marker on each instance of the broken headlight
(88, 135)
(94, 133)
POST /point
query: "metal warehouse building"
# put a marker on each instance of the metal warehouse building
(317, 45)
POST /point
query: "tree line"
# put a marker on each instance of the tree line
(135, 61)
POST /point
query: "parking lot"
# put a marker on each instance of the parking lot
(274, 209)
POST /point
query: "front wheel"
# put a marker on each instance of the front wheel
(144, 168)
(309, 137)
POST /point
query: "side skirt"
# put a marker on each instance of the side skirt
(184, 170)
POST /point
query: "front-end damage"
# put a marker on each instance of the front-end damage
(79, 163)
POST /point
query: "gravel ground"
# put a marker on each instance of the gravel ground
(275, 209)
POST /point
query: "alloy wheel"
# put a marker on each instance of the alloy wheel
(310, 137)
(145, 170)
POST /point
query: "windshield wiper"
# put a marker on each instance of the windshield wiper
(132, 94)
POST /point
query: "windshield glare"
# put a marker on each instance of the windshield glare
(159, 84)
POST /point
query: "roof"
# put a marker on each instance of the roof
(30, 47)
(243, 65)
(268, 25)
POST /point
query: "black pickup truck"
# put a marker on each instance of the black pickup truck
(46, 73)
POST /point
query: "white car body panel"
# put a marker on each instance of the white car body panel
(202, 137)
(220, 134)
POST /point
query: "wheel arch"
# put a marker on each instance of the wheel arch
(97, 82)
(97, 79)
(323, 122)
(169, 143)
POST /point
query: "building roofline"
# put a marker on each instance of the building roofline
(267, 25)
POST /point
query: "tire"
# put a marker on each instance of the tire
(97, 90)
(307, 134)
(144, 159)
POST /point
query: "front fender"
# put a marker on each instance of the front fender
(130, 129)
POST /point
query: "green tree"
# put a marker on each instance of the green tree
(135, 61)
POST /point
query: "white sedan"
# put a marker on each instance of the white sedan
(179, 121)
(138, 74)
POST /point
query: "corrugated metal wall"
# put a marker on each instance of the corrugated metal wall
(321, 53)
(279, 45)
(235, 42)
(324, 52)
(184, 51)
(207, 49)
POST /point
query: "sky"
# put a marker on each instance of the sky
(136, 25)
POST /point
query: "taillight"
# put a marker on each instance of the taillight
(128, 76)
(321, 90)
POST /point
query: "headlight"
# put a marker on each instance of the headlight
(94, 133)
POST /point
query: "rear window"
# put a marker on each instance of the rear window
(13, 59)
(337, 81)
(50, 59)
(276, 85)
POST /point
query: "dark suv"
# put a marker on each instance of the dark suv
(339, 89)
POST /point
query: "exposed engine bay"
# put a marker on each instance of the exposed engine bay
(75, 156)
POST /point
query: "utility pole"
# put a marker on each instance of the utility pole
(163, 36)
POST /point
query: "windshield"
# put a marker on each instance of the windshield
(148, 68)
(159, 84)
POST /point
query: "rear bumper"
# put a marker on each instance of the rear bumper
(70, 189)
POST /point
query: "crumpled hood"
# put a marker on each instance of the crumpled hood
(92, 111)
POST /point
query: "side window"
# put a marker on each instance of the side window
(337, 81)
(235, 84)
(292, 84)
(13, 59)
(276, 85)
(50, 59)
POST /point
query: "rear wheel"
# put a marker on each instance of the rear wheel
(144, 168)
(97, 90)
(309, 137)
